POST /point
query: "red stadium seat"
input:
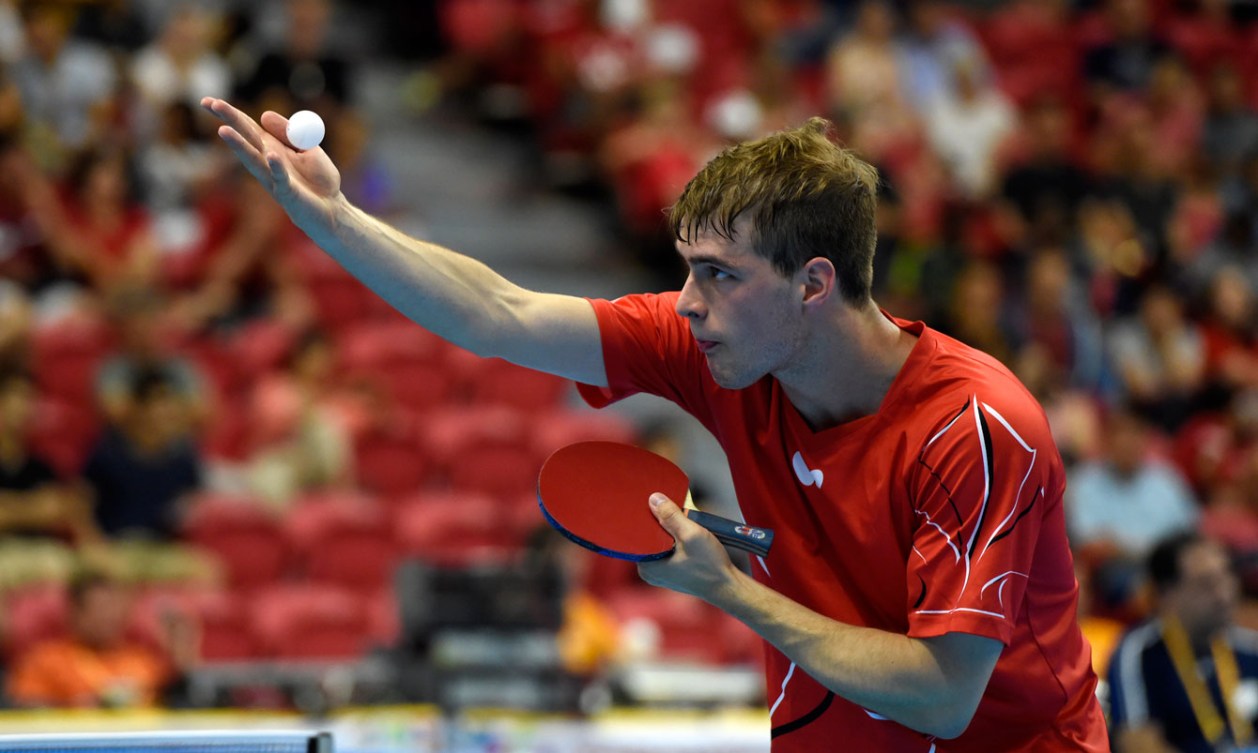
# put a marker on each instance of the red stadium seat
(384, 620)
(499, 471)
(66, 357)
(222, 618)
(563, 427)
(63, 432)
(261, 347)
(247, 539)
(453, 528)
(399, 356)
(343, 539)
(456, 432)
(34, 614)
(1204, 44)
(226, 628)
(311, 622)
(389, 464)
(502, 383)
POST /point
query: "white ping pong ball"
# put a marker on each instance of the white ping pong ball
(305, 130)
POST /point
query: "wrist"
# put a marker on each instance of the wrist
(734, 589)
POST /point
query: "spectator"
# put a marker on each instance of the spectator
(1041, 193)
(179, 66)
(101, 233)
(930, 50)
(40, 515)
(863, 69)
(967, 124)
(299, 431)
(96, 665)
(1232, 248)
(1124, 63)
(976, 316)
(248, 270)
(65, 83)
(1215, 449)
(143, 465)
(1230, 131)
(589, 639)
(1120, 505)
(1231, 345)
(15, 325)
(146, 343)
(302, 72)
(1160, 357)
(1182, 681)
(1057, 318)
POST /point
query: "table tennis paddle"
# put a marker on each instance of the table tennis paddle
(596, 493)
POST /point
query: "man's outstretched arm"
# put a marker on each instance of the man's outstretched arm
(453, 296)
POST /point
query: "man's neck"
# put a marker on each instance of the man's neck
(851, 366)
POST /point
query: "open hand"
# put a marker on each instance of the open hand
(306, 184)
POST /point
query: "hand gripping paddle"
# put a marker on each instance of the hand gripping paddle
(596, 493)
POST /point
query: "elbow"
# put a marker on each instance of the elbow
(947, 721)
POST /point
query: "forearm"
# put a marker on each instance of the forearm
(889, 674)
(454, 296)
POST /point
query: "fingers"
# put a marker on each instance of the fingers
(250, 157)
(244, 125)
(669, 515)
(276, 125)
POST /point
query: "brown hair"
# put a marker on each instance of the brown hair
(806, 196)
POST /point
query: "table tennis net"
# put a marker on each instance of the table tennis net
(170, 742)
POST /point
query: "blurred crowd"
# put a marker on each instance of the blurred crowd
(215, 444)
(195, 399)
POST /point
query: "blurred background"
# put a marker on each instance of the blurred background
(232, 479)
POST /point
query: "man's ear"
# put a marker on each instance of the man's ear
(820, 280)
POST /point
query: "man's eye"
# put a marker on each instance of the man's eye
(720, 274)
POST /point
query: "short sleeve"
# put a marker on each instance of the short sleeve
(647, 347)
(978, 500)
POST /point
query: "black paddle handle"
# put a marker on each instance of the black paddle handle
(732, 533)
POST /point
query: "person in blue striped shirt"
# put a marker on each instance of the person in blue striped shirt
(1187, 679)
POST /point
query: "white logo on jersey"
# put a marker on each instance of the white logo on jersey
(806, 475)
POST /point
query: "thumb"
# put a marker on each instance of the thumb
(668, 514)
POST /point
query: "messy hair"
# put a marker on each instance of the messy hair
(805, 196)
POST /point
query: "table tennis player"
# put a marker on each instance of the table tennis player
(920, 596)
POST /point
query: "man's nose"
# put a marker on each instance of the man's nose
(689, 303)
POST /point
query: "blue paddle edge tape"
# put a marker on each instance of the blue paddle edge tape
(595, 547)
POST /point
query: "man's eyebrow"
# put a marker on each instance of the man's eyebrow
(708, 259)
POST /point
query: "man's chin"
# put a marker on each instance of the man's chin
(730, 380)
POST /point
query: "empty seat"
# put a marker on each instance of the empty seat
(247, 539)
(342, 538)
(455, 528)
(310, 622)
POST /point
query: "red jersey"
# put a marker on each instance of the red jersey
(940, 513)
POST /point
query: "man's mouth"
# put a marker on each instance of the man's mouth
(706, 345)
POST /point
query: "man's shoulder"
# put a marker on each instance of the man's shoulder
(1138, 640)
(1244, 641)
(962, 370)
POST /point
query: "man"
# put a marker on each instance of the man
(95, 665)
(921, 587)
(142, 467)
(1187, 680)
(40, 515)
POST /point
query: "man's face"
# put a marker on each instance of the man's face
(1205, 597)
(746, 317)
